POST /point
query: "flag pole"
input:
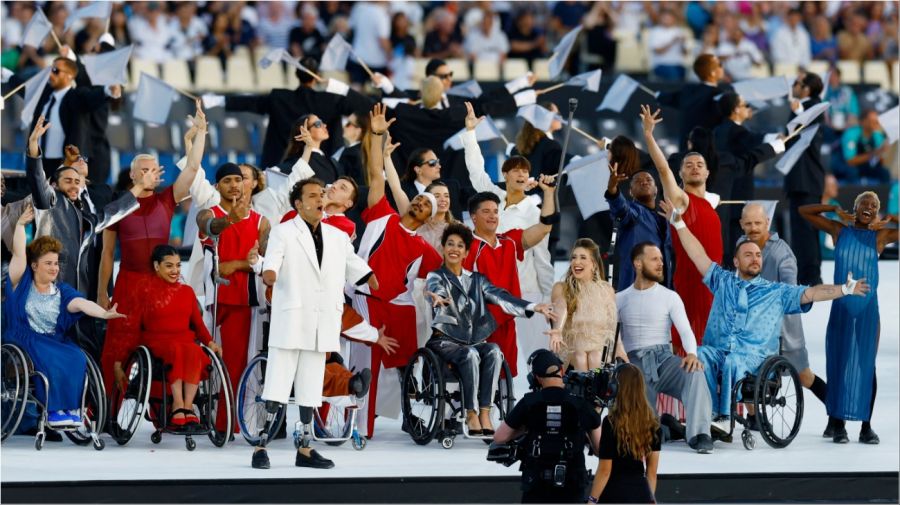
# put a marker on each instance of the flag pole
(363, 65)
(56, 39)
(14, 91)
(794, 134)
(586, 134)
(646, 89)
(733, 202)
(108, 20)
(185, 93)
(551, 88)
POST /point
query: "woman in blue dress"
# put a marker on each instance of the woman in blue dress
(851, 340)
(38, 312)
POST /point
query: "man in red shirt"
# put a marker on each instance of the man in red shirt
(397, 256)
(495, 255)
(137, 235)
(241, 233)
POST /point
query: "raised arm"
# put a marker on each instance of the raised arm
(535, 233)
(812, 213)
(691, 245)
(19, 262)
(393, 180)
(378, 125)
(42, 193)
(825, 292)
(474, 160)
(183, 183)
(670, 185)
(203, 194)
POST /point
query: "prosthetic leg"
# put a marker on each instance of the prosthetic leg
(260, 457)
(307, 457)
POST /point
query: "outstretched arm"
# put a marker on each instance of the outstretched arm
(691, 245)
(670, 185)
(182, 186)
(825, 292)
(813, 215)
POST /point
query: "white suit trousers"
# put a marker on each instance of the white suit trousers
(304, 370)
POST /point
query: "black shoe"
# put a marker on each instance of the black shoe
(676, 429)
(869, 437)
(840, 435)
(752, 422)
(719, 434)
(260, 460)
(701, 443)
(829, 428)
(314, 460)
(359, 383)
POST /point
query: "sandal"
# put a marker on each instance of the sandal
(179, 422)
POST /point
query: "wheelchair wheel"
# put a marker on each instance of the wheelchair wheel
(422, 395)
(128, 404)
(250, 405)
(14, 370)
(779, 401)
(93, 406)
(504, 397)
(215, 398)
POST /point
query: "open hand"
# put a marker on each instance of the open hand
(556, 341)
(389, 344)
(378, 123)
(437, 301)
(649, 119)
(40, 128)
(860, 287)
(112, 313)
(471, 120)
(690, 363)
(845, 216)
(615, 178)
(878, 224)
(305, 137)
(389, 147)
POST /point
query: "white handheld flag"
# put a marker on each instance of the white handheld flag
(110, 68)
(273, 56)
(755, 90)
(37, 29)
(393, 102)
(34, 87)
(486, 130)
(100, 10)
(790, 157)
(561, 53)
(806, 117)
(589, 81)
(468, 89)
(539, 117)
(890, 123)
(585, 175)
(618, 94)
(153, 100)
(336, 54)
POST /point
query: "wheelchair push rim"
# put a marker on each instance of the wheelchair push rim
(127, 406)
(422, 395)
(215, 397)
(16, 380)
(779, 402)
(93, 407)
(250, 405)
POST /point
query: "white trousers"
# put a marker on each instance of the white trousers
(304, 370)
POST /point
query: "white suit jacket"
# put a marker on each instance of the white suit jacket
(308, 300)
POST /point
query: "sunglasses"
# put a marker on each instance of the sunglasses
(448, 75)
(431, 163)
(55, 70)
(317, 124)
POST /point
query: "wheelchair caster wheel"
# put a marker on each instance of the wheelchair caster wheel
(190, 444)
(156, 437)
(359, 443)
(39, 441)
(748, 440)
(99, 445)
(447, 442)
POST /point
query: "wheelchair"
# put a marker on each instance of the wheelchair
(777, 394)
(432, 400)
(334, 423)
(19, 390)
(147, 395)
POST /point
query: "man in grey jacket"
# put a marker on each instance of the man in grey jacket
(462, 325)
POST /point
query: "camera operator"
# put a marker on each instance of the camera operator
(554, 424)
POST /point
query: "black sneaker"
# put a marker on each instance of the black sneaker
(701, 443)
(869, 437)
(676, 429)
(829, 428)
(752, 422)
(314, 460)
(840, 435)
(719, 434)
(260, 460)
(359, 383)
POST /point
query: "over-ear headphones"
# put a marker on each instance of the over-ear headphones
(533, 383)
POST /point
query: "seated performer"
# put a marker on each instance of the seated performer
(462, 325)
(745, 320)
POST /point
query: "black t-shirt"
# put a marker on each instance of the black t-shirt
(623, 464)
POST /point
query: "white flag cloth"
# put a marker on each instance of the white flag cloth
(34, 87)
(92, 10)
(392, 102)
(561, 53)
(468, 89)
(585, 175)
(619, 93)
(6, 74)
(486, 130)
(589, 81)
(890, 123)
(336, 54)
(275, 179)
(539, 116)
(790, 157)
(808, 116)
(37, 29)
(107, 69)
(153, 100)
(754, 90)
(277, 55)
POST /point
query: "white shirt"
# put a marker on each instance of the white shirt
(370, 23)
(486, 47)
(419, 187)
(661, 36)
(791, 46)
(56, 136)
(536, 270)
(647, 316)
(188, 43)
(151, 43)
(739, 58)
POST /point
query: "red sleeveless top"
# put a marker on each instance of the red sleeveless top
(234, 244)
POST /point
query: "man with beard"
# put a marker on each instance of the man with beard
(747, 313)
(397, 256)
(647, 312)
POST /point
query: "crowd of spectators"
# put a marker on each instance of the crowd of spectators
(387, 34)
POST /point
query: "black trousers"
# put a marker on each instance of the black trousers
(478, 365)
(805, 240)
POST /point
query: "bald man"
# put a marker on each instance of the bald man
(780, 265)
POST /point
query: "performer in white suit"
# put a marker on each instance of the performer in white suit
(311, 261)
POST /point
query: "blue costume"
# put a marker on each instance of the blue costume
(851, 339)
(54, 354)
(743, 328)
(638, 223)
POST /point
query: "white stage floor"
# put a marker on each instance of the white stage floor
(392, 454)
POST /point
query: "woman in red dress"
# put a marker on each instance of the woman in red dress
(172, 326)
